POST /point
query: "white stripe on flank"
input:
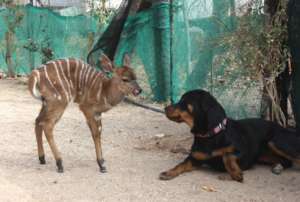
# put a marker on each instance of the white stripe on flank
(95, 75)
(51, 84)
(84, 75)
(80, 75)
(105, 100)
(94, 80)
(76, 73)
(91, 76)
(60, 81)
(88, 75)
(69, 72)
(65, 78)
(99, 91)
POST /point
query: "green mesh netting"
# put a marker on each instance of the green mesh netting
(42, 28)
(147, 36)
(174, 47)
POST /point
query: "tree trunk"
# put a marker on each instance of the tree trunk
(8, 56)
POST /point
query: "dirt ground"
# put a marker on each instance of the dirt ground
(138, 144)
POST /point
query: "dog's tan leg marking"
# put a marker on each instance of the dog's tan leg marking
(282, 154)
(232, 167)
(182, 167)
(218, 152)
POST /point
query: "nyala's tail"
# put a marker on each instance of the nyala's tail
(33, 84)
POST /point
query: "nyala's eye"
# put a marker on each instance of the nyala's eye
(125, 79)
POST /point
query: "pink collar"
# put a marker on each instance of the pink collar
(221, 126)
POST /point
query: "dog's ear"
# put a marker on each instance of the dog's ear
(200, 121)
(215, 115)
(208, 113)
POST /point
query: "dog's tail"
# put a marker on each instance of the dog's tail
(288, 142)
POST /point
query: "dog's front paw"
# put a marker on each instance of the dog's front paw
(166, 175)
(277, 169)
(238, 176)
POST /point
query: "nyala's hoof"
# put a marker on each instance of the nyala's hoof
(42, 160)
(103, 169)
(101, 166)
(60, 170)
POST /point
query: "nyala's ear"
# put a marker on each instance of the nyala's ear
(106, 63)
(126, 60)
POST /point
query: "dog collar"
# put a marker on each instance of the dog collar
(221, 126)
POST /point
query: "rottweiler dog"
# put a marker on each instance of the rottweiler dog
(230, 145)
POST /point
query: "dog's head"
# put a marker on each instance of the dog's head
(197, 108)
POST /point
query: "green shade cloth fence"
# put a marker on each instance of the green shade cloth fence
(172, 45)
(39, 28)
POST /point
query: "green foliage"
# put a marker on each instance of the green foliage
(31, 36)
(6, 2)
(12, 19)
(258, 51)
(99, 9)
(259, 43)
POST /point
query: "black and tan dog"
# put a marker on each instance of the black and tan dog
(226, 144)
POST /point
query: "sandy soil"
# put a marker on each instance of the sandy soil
(137, 144)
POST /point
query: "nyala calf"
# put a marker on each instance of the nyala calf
(61, 81)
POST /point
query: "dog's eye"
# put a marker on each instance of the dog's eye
(182, 106)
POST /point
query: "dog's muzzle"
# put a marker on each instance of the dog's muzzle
(172, 113)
